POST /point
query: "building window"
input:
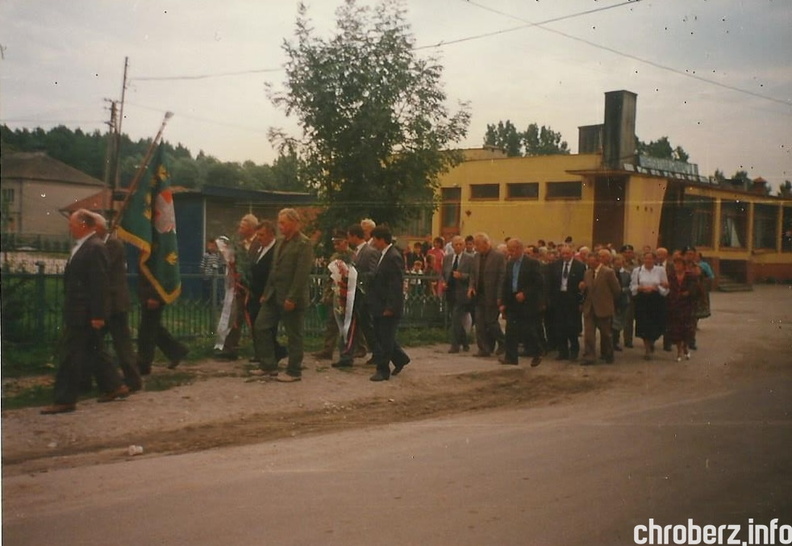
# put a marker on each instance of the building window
(734, 224)
(703, 218)
(7, 196)
(450, 209)
(485, 191)
(786, 226)
(564, 190)
(765, 226)
(419, 226)
(522, 190)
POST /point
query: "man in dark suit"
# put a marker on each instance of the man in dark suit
(486, 282)
(120, 303)
(521, 303)
(457, 267)
(565, 277)
(285, 298)
(85, 313)
(260, 267)
(151, 332)
(602, 289)
(386, 303)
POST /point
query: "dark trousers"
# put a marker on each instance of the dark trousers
(521, 327)
(152, 334)
(253, 310)
(118, 327)
(387, 348)
(367, 340)
(270, 315)
(488, 330)
(82, 346)
(567, 324)
(457, 333)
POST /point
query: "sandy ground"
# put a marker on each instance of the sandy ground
(749, 334)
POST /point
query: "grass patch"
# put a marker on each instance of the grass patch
(37, 395)
(26, 361)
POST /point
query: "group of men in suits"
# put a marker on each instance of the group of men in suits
(541, 303)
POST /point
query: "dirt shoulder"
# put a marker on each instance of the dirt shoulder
(749, 335)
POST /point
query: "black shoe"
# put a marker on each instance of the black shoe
(507, 361)
(397, 368)
(342, 364)
(562, 356)
(378, 377)
(453, 350)
(535, 361)
(482, 354)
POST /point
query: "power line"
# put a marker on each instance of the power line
(527, 24)
(206, 76)
(631, 56)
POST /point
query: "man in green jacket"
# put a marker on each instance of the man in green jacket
(286, 297)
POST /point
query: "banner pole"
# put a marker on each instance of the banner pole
(139, 174)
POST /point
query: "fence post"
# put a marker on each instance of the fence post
(40, 297)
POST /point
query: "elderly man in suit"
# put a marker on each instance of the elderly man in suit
(457, 267)
(602, 290)
(565, 276)
(484, 288)
(285, 298)
(246, 250)
(386, 303)
(521, 303)
(85, 313)
(260, 267)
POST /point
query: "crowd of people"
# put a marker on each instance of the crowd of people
(547, 295)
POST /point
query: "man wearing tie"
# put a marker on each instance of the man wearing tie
(522, 297)
(602, 289)
(456, 273)
(565, 277)
(85, 310)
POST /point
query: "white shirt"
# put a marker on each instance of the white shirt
(649, 277)
(265, 249)
(382, 255)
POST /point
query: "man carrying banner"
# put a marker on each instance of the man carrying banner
(149, 223)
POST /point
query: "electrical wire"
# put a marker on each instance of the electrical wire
(654, 64)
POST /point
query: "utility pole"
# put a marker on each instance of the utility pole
(110, 154)
(120, 119)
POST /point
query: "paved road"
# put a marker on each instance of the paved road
(578, 473)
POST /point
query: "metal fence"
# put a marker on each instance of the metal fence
(32, 306)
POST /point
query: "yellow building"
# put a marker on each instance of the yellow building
(609, 194)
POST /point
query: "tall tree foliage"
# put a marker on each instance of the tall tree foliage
(534, 140)
(86, 152)
(375, 127)
(662, 149)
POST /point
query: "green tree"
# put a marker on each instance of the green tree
(375, 127)
(543, 141)
(506, 137)
(662, 149)
(785, 190)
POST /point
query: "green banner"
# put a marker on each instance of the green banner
(149, 223)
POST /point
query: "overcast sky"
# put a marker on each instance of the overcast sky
(715, 76)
